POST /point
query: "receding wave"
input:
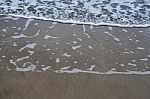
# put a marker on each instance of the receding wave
(129, 13)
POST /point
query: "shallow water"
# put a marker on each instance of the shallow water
(97, 12)
(35, 45)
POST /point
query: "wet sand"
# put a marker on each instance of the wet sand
(50, 60)
(35, 45)
(46, 85)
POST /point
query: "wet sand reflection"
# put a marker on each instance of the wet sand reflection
(35, 45)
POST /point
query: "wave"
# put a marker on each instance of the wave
(124, 13)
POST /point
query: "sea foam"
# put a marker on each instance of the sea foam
(126, 13)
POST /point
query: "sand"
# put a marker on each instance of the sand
(46, 85)
(50, 60)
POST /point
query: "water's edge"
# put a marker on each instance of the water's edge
(75, 22)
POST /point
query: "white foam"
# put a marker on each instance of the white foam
(93, 7)
(57, 60)
(124, 30)
(51, 27)
(75, 62)
(31, 67)
(76, 47)
(74, 70)
(91, 27)
(48, 36)
(88, 36)
(4, 30)
(14, 44)
(79, 22)
(125, 52)
(46, 68)
(115, 38)
(66, 55)
(31, 52)
(74, 34)
(19, 36)
(110, 28)
(90, 47)
(131, 64)
(122, 65)
(48, 49)
(20, 59)
(110, 72)
(12, 62)
(65, 67)
(24, 36)
(27, 23)
(91, 68)
(140, 48)
(137, 41)
(79, 39)
(32, 46)
(3, 56)
(144, 59)
(75, 42)
(84, 29)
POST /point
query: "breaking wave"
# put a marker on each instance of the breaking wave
(127, 13)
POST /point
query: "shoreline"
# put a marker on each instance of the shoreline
(78, 23)
(37, 45)
(34, 55)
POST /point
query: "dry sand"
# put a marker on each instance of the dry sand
(26, 44)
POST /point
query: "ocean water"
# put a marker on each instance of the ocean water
(127, 13)
(31, 45)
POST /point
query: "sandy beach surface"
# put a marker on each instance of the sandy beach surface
(46, 85)
(50, 60)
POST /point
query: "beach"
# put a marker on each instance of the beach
(46, 85)
(74, 49)
(51, 60)
(36, 45)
